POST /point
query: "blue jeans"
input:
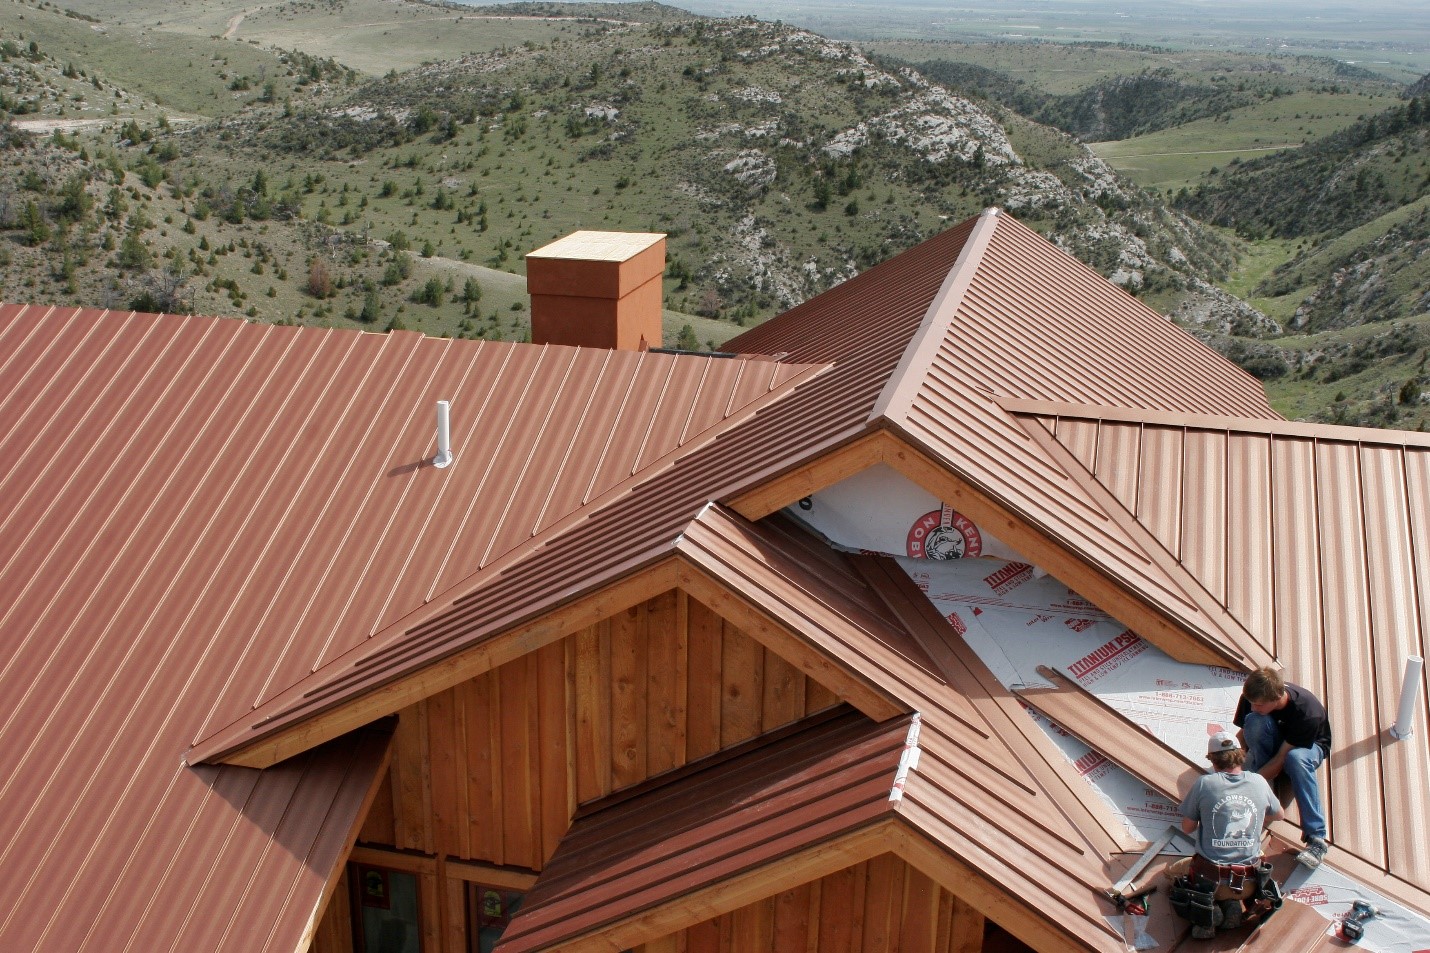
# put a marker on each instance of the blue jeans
(1263, 740)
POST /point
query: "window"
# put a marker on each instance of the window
(489, 910)
(385, 910)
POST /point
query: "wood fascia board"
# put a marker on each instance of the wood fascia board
(1022, 919)
(908, 378)
(1058, 558)
(1249, 652)
(335, 875)
(757, 622)
(444, 673)
(752, 886)
(1083, 808)
(827, 470)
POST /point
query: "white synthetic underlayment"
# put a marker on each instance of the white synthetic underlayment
(1016, 618)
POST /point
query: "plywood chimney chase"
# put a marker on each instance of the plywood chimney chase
(597, 289)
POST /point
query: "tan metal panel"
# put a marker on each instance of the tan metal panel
(1250, 585)
(1204, 513)
(1159, 499)
(1395, 635)
(1118, 451)
(1296, 558)
(1356, 807)
(1080, 438)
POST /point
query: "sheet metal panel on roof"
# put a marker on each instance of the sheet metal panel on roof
(197, 512)
(713, 820)
(1328, 527)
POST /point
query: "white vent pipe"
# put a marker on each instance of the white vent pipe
(443, 458)
(1409, 694)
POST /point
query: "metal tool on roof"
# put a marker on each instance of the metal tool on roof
(1352, 928)
(1125, 890)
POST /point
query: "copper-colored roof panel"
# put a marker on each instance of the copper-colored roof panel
(713, 820)
(1325, 559)
(1204, 518)
(1118, 451)
(1160, 498)
(1346, 624)
(1249, 587)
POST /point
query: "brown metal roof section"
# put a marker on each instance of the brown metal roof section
(984, 792)
(198, 512)
(716, 820)
(1318, 539)
(868, 326)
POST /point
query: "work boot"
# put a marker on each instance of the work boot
(1314, 853)
(1231, 911)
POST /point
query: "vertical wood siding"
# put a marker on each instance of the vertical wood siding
(493, 769)
(880, 906)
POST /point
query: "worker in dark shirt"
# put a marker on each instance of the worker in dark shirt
(1284, 728)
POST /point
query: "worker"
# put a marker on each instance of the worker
(1228, 809)
(1284, 729)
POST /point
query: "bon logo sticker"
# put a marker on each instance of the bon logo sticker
(944, 534)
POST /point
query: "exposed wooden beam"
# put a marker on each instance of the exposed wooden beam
(828, 470)
(455, 669)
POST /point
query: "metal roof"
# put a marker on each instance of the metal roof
(714, 819)
(1318, 539)
(199, 512)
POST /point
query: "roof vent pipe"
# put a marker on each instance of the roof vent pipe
(443, 459)
(1404, 725)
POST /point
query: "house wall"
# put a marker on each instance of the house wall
(880, 906)
(491, 771)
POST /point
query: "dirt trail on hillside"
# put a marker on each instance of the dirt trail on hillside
(233, 24)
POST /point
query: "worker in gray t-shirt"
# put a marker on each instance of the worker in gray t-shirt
(1227, 809)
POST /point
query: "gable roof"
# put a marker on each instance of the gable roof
(196, 513)
(889, 333)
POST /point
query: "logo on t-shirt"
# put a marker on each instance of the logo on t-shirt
(1236, 824)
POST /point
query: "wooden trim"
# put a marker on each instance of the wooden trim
(738, 891)
(490, 875)
(849, 685)
(455, 669)
(336, 874)
(393, 859)
(970, 886)
(788, 488)
(1056, 557)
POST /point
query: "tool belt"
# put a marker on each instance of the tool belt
(1194, 898)
(1234, 876)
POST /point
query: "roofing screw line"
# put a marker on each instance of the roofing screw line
(908, 760)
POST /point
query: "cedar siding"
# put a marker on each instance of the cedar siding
(493, 769)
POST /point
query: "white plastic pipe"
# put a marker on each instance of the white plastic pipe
(1404, 725)
(444, 436)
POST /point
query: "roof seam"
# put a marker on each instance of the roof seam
(898, 394)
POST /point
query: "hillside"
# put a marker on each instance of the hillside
(779, 162)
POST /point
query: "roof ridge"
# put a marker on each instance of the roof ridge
(903, 384)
